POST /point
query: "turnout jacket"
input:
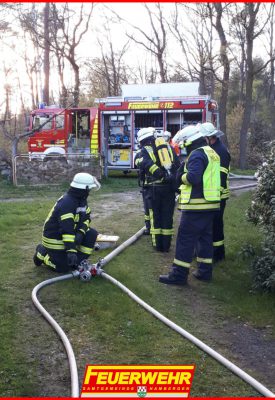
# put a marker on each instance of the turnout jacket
(150, 166)
(69, 215)
(225, 159)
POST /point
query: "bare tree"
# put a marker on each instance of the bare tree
(156, 41)
(216, 12)
(177, 29)
(252, 31)
(33, 24)
(238, 49)
(66, 29)
(46, 89)
(108, 72)
(114, 69)
(71, 29)
(271, 55)
(196, 44)
(146, 71)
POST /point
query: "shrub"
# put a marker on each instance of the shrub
(262, 213)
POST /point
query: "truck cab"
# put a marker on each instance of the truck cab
(61, 131)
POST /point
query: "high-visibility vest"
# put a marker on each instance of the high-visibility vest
(211, 186)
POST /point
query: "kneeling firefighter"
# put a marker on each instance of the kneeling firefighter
(199, 201)
(158, 164)
(67, 238)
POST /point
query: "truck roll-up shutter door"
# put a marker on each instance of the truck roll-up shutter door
(94, 137)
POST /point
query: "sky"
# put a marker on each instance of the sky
(132, 12)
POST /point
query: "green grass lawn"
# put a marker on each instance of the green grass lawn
(103, 324)
(232, 278)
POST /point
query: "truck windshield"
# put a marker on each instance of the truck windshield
(59, 121)
(41, 119)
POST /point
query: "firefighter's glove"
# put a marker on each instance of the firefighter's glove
(179, 174)
(78, 238)
(72, 259)
(168, 178)
(97, 247)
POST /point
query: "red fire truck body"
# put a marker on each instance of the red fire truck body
(111, 129)
(64, 131)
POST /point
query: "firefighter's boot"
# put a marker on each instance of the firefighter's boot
(203, 273)
(177, 276)
(218, 254)
(39, 255)
(147, 228)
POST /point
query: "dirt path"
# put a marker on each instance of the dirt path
(251, 349)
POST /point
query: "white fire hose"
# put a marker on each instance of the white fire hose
(54, 324)
(249, 185)
(73, 367)
(59, 331)
(235, 176)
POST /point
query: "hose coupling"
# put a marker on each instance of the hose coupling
(86, 270)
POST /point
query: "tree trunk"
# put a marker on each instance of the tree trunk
(202, 86)
(271, 97)
(226, 69)
(76, 84)
(46, 93)
(63, 93)
(248, 86)
(162, 69)
(14, 148)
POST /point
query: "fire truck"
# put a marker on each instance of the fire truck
(110, 130)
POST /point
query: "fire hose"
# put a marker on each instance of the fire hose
(248, 177)
(85, 273)
(247, 186)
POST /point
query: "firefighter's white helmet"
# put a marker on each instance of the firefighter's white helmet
(158, 133)
(145, 133)
(83, 180)
(188, 134)
(167, 135)
(208, 130)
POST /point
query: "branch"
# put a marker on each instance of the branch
(264, 66)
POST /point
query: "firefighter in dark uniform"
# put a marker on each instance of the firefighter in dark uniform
(199, 201)
(145, 197)
(159, 187)
(212, 136)
(67, 238)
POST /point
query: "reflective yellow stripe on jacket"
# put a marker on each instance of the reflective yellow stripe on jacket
(225, 192)
(154, 167)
